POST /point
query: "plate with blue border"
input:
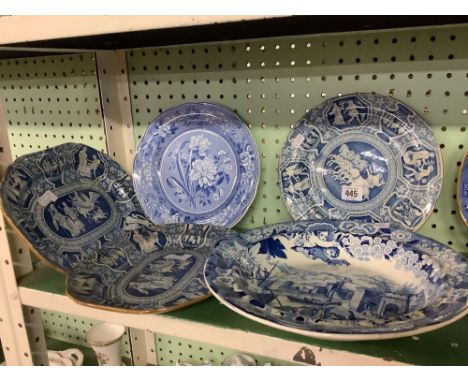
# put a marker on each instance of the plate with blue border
(150, 269)
(462, 189)
(196, 163)
(361, 156)
(67, 202)
(340, 280)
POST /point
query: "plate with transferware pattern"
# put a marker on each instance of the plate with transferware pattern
(67, 201)
(340, 280)
(151, 269)
(196, 163)
(361, 157)
(462, 189)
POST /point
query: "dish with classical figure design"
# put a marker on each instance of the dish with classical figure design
(462, 189)
(196, 163)
(361, 156)
(340, 280)
(67, 202)
(155, 269)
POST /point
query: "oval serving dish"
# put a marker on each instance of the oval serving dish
(159, 269)
(68, 201)
(340, 280)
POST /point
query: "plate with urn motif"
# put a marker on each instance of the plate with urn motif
(67, 202)
(361, 157)
(196, 163)
(340, 280)
(150, 269)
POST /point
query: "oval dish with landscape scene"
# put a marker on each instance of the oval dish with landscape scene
(340, 280)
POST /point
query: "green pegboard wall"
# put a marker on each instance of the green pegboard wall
(51, 100)
(272, 82)
(171, 350)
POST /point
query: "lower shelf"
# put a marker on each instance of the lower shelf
(211, 322)
(89, 356)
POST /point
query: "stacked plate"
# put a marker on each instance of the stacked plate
(78, 210)
(197, 164)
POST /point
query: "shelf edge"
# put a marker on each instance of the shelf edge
(243, 341)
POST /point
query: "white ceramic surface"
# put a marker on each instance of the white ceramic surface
(105, 340)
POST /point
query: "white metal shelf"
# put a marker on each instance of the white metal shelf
(15, 29)
(230, 334)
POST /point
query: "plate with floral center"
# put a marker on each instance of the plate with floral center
(151, 269)
(196, 163)
(361, 156)
(340, 280)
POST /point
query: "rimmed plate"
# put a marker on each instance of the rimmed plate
(159, 269)
(196, 163)
(67, 201)
(361, 156)
(340, 280)
(462, 189)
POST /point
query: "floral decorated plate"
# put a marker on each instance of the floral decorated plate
(361, 156)
(196, 163)
(462, 189)
(68, 201)
(152, 269)
(340, 280)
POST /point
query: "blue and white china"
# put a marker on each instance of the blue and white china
(462, 189)
(196, 163)
(150, 269)
(340, 280)
(361, 156)
(68, 201)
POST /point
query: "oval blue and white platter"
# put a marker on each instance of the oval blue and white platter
(68, 201)
(361, 156)
(196, 163)
(340, 280)
(462, 189)
(159, 269)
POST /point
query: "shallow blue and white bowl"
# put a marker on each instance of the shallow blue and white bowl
(340, 280)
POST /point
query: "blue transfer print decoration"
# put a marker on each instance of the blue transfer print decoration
(196, 163)
(462, 189)
(358, 156)
(160, 271)
(68, 201)
(340, 280)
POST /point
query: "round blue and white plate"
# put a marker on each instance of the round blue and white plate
(340, 280)
(157, 269)
(361, 156)
(462, 189)
(67, 201)
(196, 163)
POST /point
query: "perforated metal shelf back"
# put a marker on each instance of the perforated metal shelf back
(51, 100)
(271, 83)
